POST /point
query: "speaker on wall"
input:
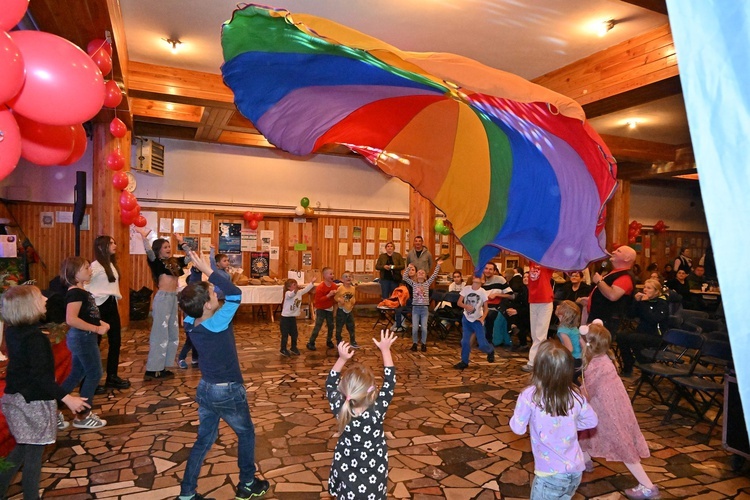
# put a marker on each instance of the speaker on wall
(79, 198)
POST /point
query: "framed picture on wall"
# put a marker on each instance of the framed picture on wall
(511, 262)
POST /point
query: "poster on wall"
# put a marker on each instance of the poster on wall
(235, 260)
(192, 241)
(205, 244)
(136, 241)
(259, 264)
(229, 237)
(249, 240)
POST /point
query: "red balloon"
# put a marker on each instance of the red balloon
(14, 71)
(633, 223)
(112, 95)
(253, 224)
(126, 219)
(12, 13)
(103, 61)
(140, 221)
(79, 144)
(631, 240)
(99, 43)
(131, 214)
(10, 142)
(259, 217)
(63, 85)
(248, 216)
(115, 160)
(120, 180)
(44, 144)
(118, 128)
(128, 201)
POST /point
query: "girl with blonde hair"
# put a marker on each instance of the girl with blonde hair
(618, 437)
(360, 461)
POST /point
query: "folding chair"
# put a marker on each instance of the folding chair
(445, 319)
(703, 386)
(678, 346)
(385, 317)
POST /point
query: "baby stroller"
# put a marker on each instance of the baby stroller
(447, 316)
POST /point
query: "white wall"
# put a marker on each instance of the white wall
(680, 206)
(239, 177)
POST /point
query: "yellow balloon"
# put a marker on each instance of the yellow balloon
(309, 210)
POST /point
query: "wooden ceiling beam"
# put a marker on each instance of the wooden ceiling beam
(640, 61)
(177, 83)
(167, 111)
(624, 148)
(659, 6)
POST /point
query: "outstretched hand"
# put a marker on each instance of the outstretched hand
(199, 263)
(387, 338)
(345, 350)
(143, 231)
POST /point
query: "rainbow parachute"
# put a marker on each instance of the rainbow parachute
(513, 165)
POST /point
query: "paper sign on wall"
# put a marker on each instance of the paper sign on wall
(356, 248)
(370, 248)
(329, 232)
(206, 226)
(194, 227)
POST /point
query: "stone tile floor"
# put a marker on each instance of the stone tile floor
(448, 431)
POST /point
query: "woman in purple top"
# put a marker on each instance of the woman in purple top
(554, 411)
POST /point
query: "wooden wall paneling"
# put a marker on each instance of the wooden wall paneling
(665, 247)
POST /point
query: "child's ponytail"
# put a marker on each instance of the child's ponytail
(357, 389)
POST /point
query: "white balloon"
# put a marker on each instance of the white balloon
(300, 210)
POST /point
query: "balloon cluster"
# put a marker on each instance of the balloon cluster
(660, 227)
(252, 219)
(634, 230)
(48, 88)
(442, 227)
(304, 207)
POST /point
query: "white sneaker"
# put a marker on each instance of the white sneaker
(61, 423)
(91, 422)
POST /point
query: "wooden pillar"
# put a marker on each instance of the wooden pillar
(105, 207)
(618, 214)
(422, 220)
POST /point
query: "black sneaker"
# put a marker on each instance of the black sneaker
(100, 389)
(258, 488)
(460, 365)
(330, 345)
(424, 347)
(491, 356)
(285, 352)
(414, 347)
(197, 496)
(294, 351)
(311, 347)
(116, 382)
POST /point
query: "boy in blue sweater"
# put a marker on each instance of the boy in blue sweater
(210, 328)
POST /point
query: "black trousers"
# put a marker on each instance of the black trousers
(111, 315)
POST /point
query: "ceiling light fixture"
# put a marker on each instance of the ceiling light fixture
(174, 43)
(606, 26)
(632, 124)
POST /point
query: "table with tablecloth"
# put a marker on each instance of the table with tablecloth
(263, 295)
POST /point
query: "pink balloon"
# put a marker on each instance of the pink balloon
(10, 142)
(115, 160)
(11, 13)
(120, 180)
(112, 94)
(103, 61)
(12, 66)
(118, 128)
(98, 43)
(140, 221)
(80, 141)
(63, 85)
(44, 144)
(128, 201)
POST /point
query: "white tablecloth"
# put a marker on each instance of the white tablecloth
(262, 294)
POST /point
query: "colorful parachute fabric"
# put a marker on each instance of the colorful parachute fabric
(513, 165)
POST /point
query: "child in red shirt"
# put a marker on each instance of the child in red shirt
(323, 302)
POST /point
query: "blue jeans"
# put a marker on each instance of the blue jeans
(87, 363)
(473, 328)
(557, 487)
(229, 402)
(419, 315)
(387, 287)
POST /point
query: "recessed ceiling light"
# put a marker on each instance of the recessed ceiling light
(605, 27)
(174, 44)
(632, 124)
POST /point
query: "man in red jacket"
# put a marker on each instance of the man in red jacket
(540, 308)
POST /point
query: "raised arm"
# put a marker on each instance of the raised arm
(212, 258)
(387, 338)
(434, 273)
(148, 237)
